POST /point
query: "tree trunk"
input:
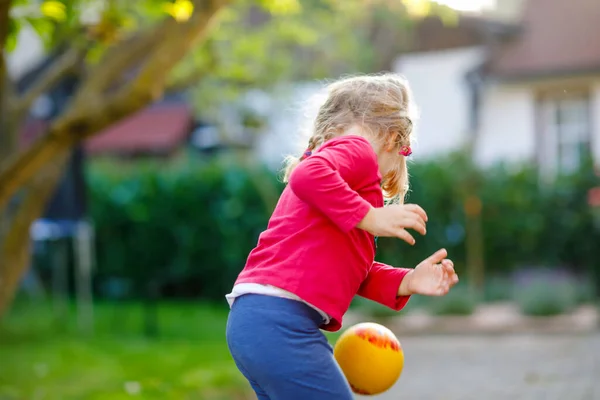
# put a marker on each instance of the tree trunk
(93, 108)
(473, 222)
(7, 136)
(15, 254)
(8, 131)
(474, 244)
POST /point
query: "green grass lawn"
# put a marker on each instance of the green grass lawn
(44, 358)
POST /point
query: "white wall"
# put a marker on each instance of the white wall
(442, 96)
(290, 111)
(506, 10)
(507, 131)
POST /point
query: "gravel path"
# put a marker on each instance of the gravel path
(514, 367)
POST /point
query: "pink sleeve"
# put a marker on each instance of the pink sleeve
(382, 284)
(329, 179)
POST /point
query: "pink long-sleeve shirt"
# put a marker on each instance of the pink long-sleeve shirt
(311, 246)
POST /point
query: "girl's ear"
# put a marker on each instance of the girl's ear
(390, 144)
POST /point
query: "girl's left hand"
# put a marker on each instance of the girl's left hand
(432, 277)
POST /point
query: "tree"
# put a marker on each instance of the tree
(127, 54)
(28, 176)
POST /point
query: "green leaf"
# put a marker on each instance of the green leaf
(44, 27)
(14, 27)
(180, 10)
(282, 7)
(55, 10)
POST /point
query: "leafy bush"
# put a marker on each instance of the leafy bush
(585, 293)
(372, 309)
(522, 221)
(498, 288)
(545, 295)
(187, 227)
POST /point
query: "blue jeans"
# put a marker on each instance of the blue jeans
(277, 345)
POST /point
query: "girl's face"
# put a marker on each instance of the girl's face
(387, 154)
(387, 151)
(387, 160)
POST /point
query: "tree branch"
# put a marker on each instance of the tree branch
(4, 19)
(66, 63)
(8, 137)
(185, 82)
(188, 80)
(14, 248)
(4, 79)
(125, 55)
(149, 84)
(90, 112)
(20, 167)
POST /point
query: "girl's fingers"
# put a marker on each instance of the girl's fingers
(437, 257)
(448, 265)
(451, 274)
(412, 222)
(416, 209)
(404, 235)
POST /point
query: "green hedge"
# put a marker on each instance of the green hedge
(524, 223)
(187, 227)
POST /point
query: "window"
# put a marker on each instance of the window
(565, 134)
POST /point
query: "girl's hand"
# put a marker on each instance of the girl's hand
(393, 220)
(432, 277)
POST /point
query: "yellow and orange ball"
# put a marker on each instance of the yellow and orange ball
(370, 357)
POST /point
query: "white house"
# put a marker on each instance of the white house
(28, 53)
(525, 88)
(289, 111)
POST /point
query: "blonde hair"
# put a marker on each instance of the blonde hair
(382, 106)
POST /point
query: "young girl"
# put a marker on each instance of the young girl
(318, 250)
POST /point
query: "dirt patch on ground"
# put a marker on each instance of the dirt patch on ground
(488, 319)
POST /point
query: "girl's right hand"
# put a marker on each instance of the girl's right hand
(393, 220)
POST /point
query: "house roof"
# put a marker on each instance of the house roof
(432, 34)
(31, 130)
(156, 130)
(159, 129)
(558, 37)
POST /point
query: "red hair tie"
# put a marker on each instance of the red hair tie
(306, 154)
(405, 151)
